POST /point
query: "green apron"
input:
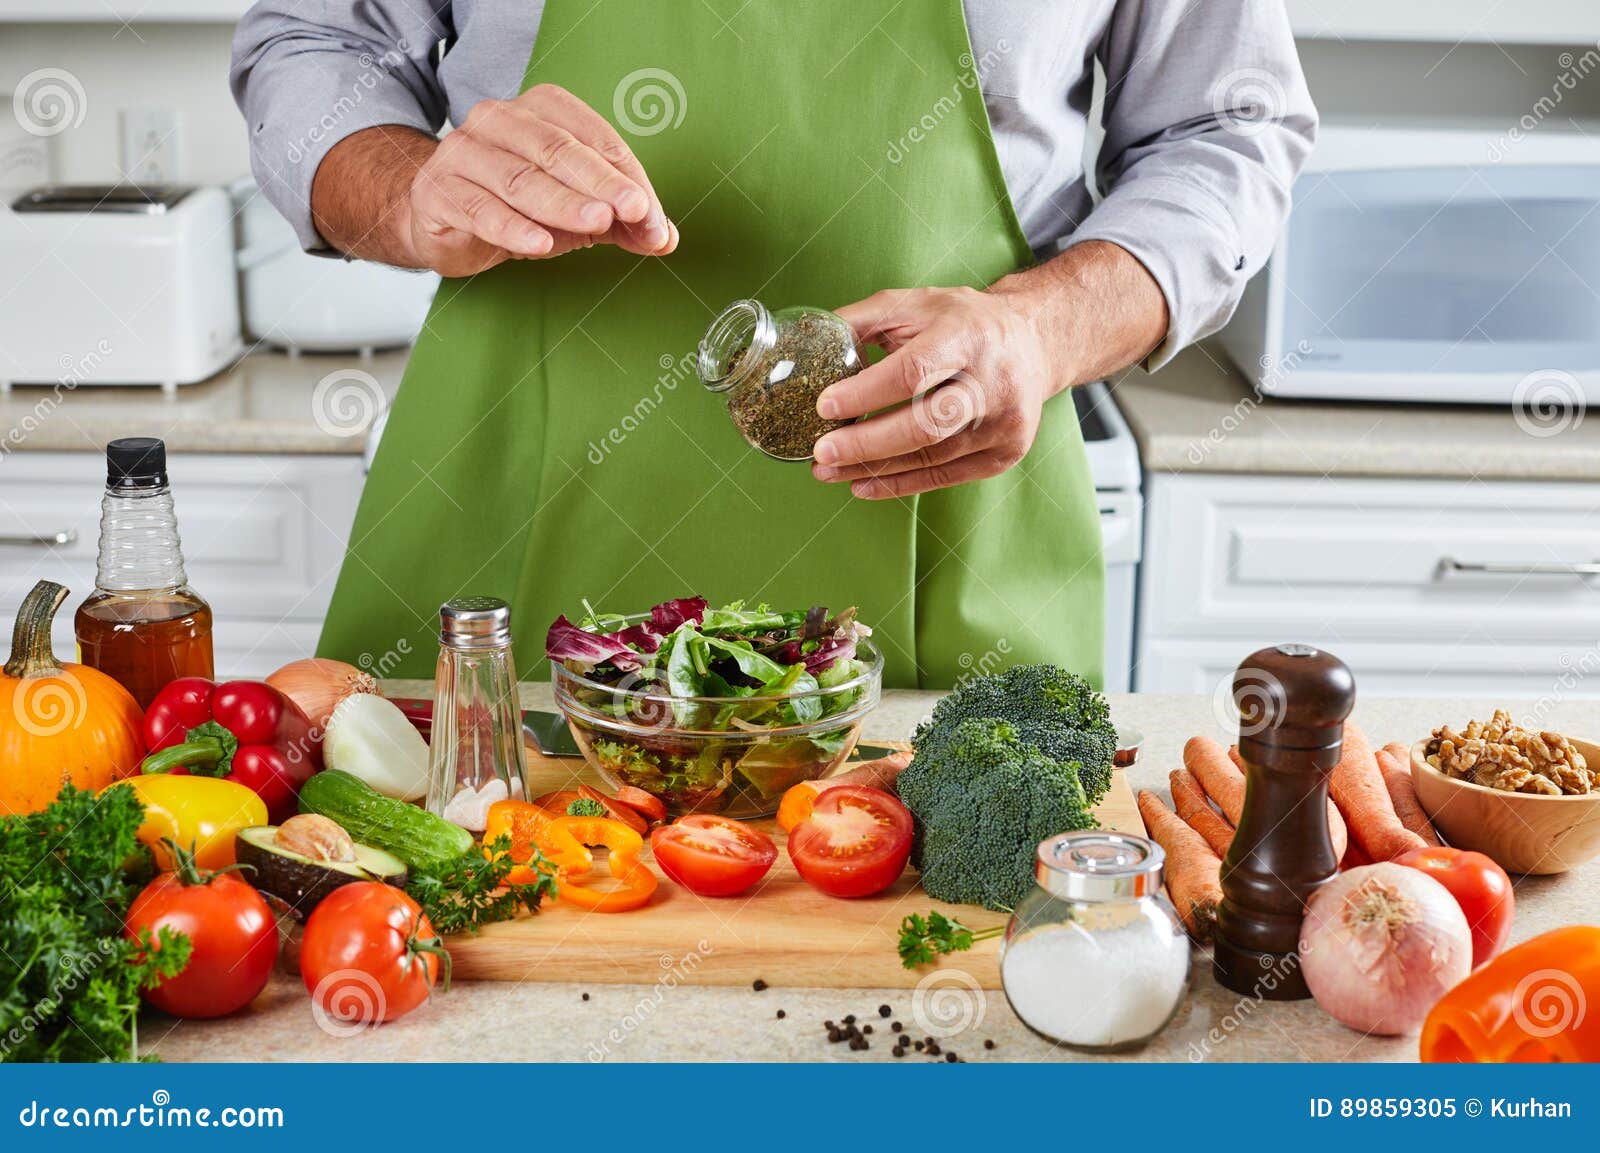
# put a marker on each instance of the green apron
(551, 441)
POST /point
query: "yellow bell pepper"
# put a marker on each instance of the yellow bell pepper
(202, 812)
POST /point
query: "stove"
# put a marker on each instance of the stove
(1114, 465)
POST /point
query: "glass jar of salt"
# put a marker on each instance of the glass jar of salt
(1095, 957)
(773, 366)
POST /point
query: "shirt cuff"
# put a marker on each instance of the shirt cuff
(1187, 242)
(287, 150)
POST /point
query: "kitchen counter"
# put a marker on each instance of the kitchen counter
(267, 402)
(1199, 414)
(674, 1022)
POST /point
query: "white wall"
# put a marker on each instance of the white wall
(178, 66)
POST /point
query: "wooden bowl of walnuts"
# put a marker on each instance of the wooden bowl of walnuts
(1528, 799)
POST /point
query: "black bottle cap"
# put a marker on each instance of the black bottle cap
(136, 462)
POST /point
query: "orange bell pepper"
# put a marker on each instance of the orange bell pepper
(1537, 1002)
(529, 828)
(623, 844)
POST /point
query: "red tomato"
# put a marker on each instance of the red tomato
(713, 856)
(854, 843)
(1479, 886)
(232, 935)
(370, 955)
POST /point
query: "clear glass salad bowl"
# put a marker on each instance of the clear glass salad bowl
(733, 755)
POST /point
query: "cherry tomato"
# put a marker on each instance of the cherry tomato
(854, 843)
(1479, 886)
(233, 939)
(713, 856)
(370, 955)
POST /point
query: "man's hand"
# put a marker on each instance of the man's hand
(528, 178)
(978, 367)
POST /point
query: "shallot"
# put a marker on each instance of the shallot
(1381, 944)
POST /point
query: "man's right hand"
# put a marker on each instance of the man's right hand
(528, 178)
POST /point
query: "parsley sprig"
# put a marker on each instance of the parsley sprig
(922, 939)
(473, 890)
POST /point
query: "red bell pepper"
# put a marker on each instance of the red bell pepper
(246, 731)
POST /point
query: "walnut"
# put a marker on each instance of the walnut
(316, 837)
(1500, 754)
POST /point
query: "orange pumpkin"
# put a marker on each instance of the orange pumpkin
(59, 722)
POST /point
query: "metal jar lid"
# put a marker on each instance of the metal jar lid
(475, 623)
(1099, 866)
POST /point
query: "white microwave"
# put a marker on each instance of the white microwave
(1432, 264)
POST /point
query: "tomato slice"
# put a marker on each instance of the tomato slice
(713, 856)
(854, 843)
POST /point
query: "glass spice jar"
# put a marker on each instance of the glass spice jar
(1095, 957)
(773, 366)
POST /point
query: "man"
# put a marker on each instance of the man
(621, 169)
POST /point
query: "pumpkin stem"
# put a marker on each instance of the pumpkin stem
(31, 655)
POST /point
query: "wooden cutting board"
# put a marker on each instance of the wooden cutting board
(783, 932)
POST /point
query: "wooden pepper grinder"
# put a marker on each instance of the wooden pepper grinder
(1292, 701)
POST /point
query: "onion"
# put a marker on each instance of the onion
(1381, 944)
(317, 685)
(371, 739)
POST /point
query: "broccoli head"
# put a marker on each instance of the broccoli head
(983, 800)
(1058, 712)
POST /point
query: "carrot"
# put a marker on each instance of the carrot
(1197, 813)
(1403, 794)
(1194, 872)
(1358, 789)
(647, 805)
(879, 774)
(1338, 835)
(616, 810)
(1219, 777)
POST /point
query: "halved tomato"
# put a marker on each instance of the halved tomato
(713, 856)
(854, 843)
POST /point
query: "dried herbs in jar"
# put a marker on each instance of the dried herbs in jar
(773, 366)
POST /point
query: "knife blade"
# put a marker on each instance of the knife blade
(550, 733)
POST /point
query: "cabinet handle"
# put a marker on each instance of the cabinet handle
(43, 539)
(1534, 568)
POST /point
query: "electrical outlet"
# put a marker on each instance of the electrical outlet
(150, 145)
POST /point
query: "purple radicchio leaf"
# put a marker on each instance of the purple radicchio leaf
(567, 642)
(668, 615)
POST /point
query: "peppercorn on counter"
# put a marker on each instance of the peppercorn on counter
(577, 1017)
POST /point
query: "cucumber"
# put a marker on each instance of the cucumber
(415, 835)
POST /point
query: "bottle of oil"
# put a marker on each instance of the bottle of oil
(143, 625)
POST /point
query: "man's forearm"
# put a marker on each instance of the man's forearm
(1096, 302)
(360, 199)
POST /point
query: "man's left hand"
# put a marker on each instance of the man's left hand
(977, 372)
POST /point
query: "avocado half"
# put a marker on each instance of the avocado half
(301, 882)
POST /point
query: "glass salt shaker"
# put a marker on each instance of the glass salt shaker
(1095, 956)
(475, 754)
(773, 366)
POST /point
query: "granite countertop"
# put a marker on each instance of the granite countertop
(1200, 415)
(268, 402)
(553, 1022)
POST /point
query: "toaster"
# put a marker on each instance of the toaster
(118, 285)
(1439, 261)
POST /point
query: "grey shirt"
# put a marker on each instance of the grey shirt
(1206, 115)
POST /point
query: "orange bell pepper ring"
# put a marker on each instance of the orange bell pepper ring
(529, 828)
(638, 883)
(1537, 1002)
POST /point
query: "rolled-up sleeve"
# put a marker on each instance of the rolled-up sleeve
(1207, 122)
(308, 73)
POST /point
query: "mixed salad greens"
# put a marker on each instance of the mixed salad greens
(688, 673)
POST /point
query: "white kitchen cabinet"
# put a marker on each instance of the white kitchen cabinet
(1425, 587)
(263, 537)
(1448, 21)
